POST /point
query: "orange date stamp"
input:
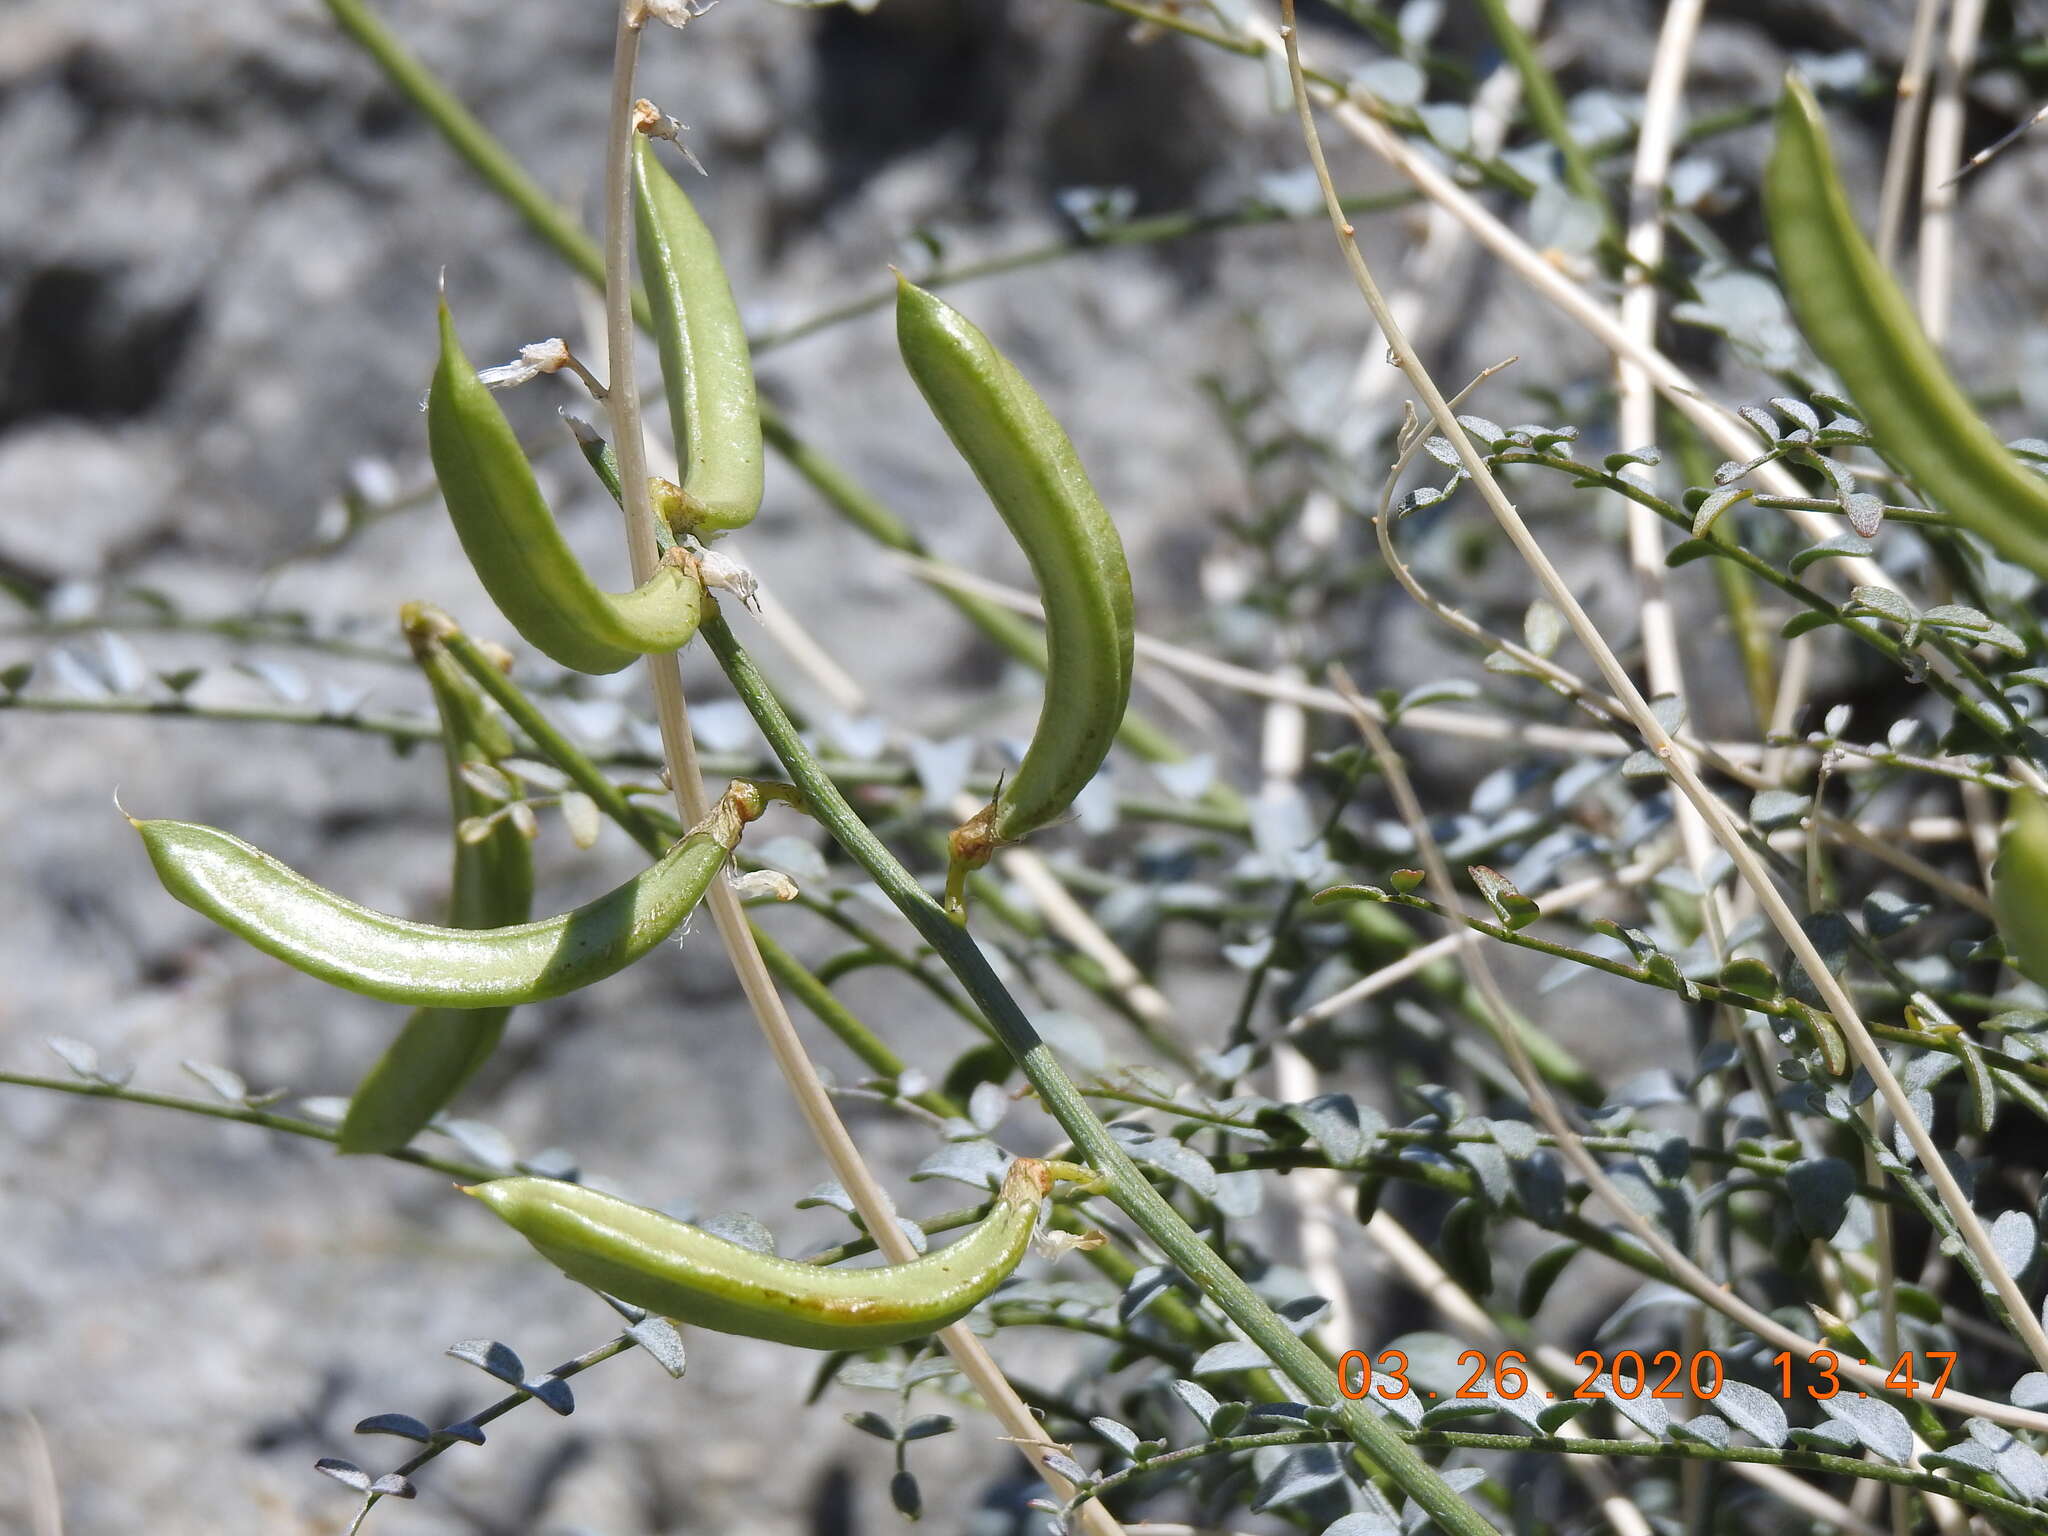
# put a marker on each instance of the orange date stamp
(1665, 1374)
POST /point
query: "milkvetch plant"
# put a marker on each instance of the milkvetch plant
(1813, 1229)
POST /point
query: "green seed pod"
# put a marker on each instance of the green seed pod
(683, 1272)
(1862, 326)
(313, 930)
(705, 365)
(1030, 470)
(2019, 886)
(511, 538)
(440, 1049)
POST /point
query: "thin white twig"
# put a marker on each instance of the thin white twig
(1424, 717)
(1552, 904)
(1423, 270)
(1637, 405)
(39, 1476)
(1908, 111)
(1934, 284)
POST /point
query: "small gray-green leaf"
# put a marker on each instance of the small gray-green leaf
(1884, 602)
(2014, 1239)
(1201, 1402)
(1301, 1473)
(1122, 1436)
(1231, 1355)
(228, 1085)
(1753, 1411)
(1542, 628)
(1820, 1188)
(1772, 809)
(663, 1343)
(1880, 1426)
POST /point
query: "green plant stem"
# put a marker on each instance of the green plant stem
(407, 730)
(1153, 230)
(2033, 1072)
(545, 735)
(1546, 104)
(504, 1405)
(1127, 1185)
(1986, 715)
(1661, 1450)
(1557, 1064)
(242, 1114)
(1754, 638)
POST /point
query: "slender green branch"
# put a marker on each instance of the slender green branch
(1127, 1185)
(1546, 104)
(406, 729)
(1153, 230)
(241, 1114)
(1991, 713)
(1662, 1450)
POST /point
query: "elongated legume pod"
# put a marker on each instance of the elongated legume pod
(511, 538)
(284, 914)
(1860, 323)
(2019, 885)
(1030, 470)
(491, 886)
(705, 366)
(684, 1272)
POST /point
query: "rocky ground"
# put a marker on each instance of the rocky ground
(219, 237)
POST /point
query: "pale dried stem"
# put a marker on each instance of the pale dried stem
(1934, 284)
(1318, 1201)
(1552, 904)
(1656, 739)
(1729, 757)
(1909, 111)
(1934, 288)
(38, 1476)
(679, 751)
(1637, 405)
(1493, 112)
(622, 394)
(1283, 747)
(1443, 722)
(1727, 431)
(1680, 1270)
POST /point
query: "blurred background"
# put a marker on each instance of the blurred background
(220, 232)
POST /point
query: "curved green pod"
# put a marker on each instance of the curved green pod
(511, 538)
(1862, 326)
(313, 930)
(2019, 886)
(683, 1272)
(491, 886)
(1029, 468)
(706, 368)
